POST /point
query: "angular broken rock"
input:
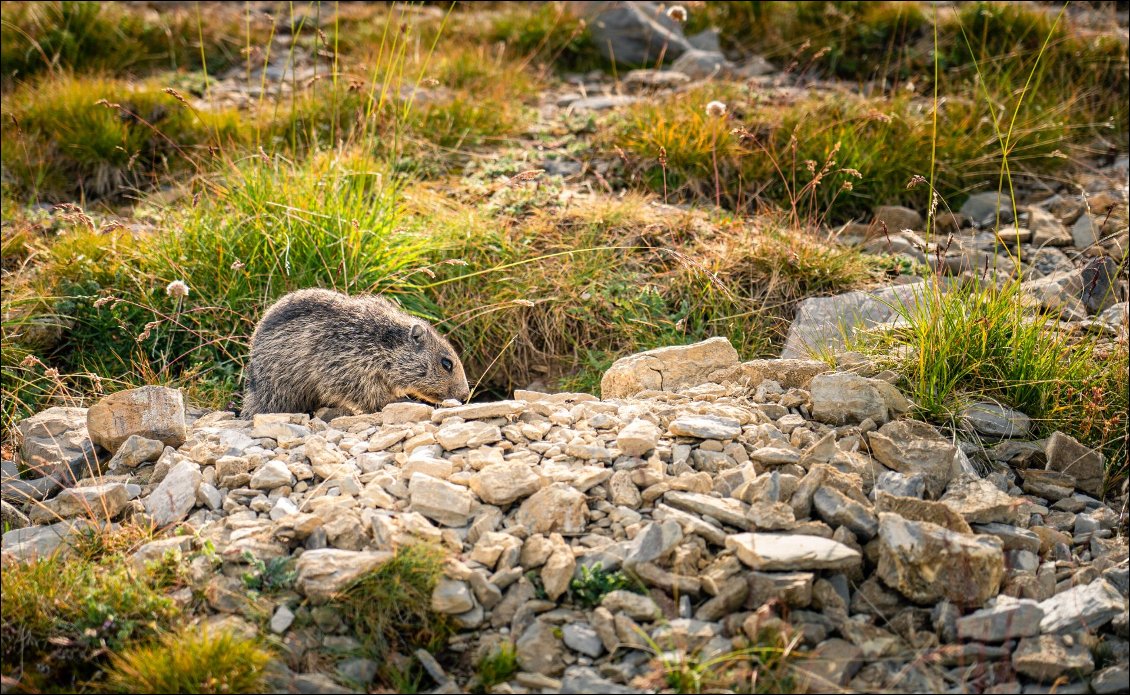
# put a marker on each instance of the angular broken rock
(135, 451)
(154, 412)
(439, 500)
(926, 562)
(823, 323)
(1047, 657)
(320, 574)
(980, 502)
(93, 502)
(842, 398)
(1084, 607)
(176, 495)
(668, 368)
(772, 551)
(467, 434)
(911, 447)
(503, 483)
(638, 438)
(838, 509)
(995, 420)
(705, 427)
(1008, 619)
(558, 507)
(1067, 455)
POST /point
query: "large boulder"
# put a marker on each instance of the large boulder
(55, 442)
(154, 412)
(669, 368)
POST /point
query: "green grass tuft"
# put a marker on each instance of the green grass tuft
(595, 583)
(191, 660)
(497, 666)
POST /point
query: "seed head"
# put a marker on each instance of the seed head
(677, 13)
(177, 288)
(716, 109)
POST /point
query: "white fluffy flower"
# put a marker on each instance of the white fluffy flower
(177, 288)
(716, 109)
(677, 13)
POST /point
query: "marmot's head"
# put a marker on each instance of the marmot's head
(435, 373)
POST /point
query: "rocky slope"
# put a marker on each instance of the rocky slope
(767, 497)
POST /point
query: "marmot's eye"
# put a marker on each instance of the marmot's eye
(446, 364)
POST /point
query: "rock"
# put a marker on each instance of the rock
(1058, 292)
(911, 447)
(135, 451)
(467, 434)
(700, 65)
(829, 666)
(153, 412)
(1007, 618)
(171, 501)
(406, 412)
(789, 373)
(914, 509)
(728, 511)
(282, 619)
(989, 209)
(823, 323)
(55, 443)
(271, 475)
(1112, 679)
(838, 509)
(480, 411)
(1067, 455)
(602, 103)
(582, 638)
(93, 502)
(635, 606)
(1051, 485)
(634, 34)
(668, 368)
(899, 485)
(926, 562)
(1011, 235)
(1012, 537)
(439, 500)
(791, 588)
(769, 551)
(582, 679)
(842, 398)
(452, 597)
(705, 427)
(557, 507)
(637, 438)
(1047, 657)
(994, 420)
(12, 518)
(558, 570)
(1085, 232)
(653, 542)
(539, 650)
(980, 502)
(896, 218)
(646, 79)
(320, 574)
(503, 483)
(40, 541)
(1047, 230)
(1084, 607)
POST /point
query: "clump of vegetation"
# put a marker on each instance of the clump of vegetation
(497, 666)
(193, 659)
(62, 613)
(106, 38)
(595, 583)
(71, 138)
(276, 574)
(984, 342)
(549, 33)
(390, 611)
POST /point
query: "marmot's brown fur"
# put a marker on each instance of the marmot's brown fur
(316, 348)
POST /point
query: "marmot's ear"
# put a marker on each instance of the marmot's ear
(417, 333)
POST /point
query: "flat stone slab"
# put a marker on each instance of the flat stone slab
(775, 551)
(705, 427)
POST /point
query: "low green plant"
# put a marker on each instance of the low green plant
(975, 341)
(497, 666)
(390, 608)
(595, 582)
(194, 659)
(63, 612)
(549, 33)
(276, 574)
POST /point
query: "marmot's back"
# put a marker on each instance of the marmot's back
(316, 348)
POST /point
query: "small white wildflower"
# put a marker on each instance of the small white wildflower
(177, 288)
(716, 109)
(677, 13)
